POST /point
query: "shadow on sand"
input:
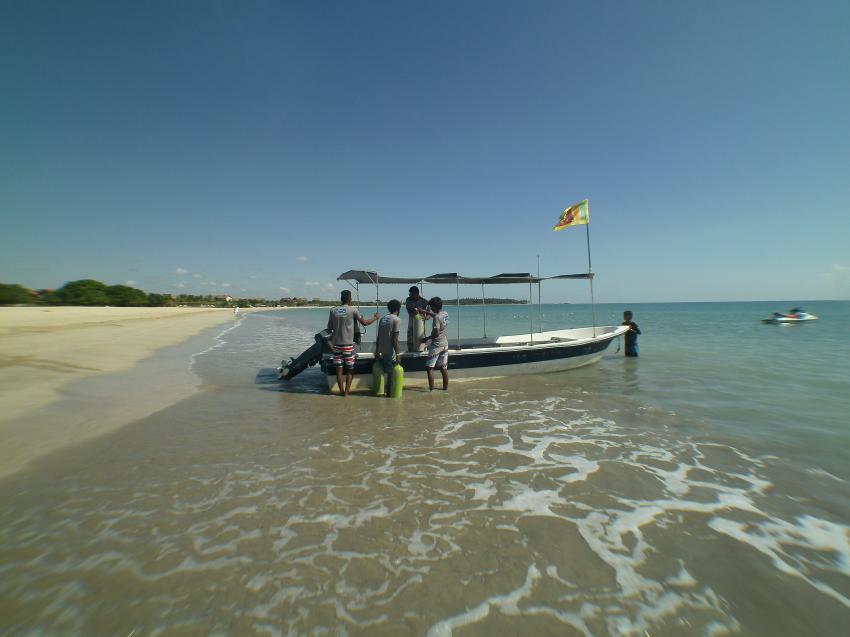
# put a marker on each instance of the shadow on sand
(310, 381)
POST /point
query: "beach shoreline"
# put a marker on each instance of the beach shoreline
(68, 374)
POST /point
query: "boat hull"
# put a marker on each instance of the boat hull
(555, 351)
(788, 319)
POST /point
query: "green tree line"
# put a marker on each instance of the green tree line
(91, 292)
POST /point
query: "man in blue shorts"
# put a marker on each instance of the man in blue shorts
(341, 323)
(438, 348)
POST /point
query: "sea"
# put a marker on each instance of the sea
(700, 489)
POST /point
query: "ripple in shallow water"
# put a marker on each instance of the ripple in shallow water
(504, 514)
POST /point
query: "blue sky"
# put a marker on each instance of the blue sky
(261, 148)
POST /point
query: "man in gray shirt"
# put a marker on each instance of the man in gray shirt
(387, 348)
(438, 348)
(341, 323)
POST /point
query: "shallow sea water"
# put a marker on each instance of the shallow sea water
(699, 490)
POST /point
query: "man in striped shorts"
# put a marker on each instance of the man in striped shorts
(341, 323)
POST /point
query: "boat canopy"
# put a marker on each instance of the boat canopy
(367, 276)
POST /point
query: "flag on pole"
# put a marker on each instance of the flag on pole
(576, 215)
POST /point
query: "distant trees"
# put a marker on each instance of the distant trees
(292, 301)
(47, 297)
(160, 300)
(83, 292)
(296, 301)
(92, 292)
(125, 296)
(13, 294)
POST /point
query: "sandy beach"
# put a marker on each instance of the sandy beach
(44, 349)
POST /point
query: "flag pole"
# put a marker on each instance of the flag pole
(590, 272)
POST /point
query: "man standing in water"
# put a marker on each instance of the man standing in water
(438, 348)
(341, 323)
(413, 303)
(631, 335)
(387, 348)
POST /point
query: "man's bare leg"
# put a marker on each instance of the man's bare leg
(430, 379)
(445, 374)
(339, 380)
(349, 376)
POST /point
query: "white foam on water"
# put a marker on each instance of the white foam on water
(483, 490)
(258, 581)
(354, 520)
(506, 604)
(824, 473)
(361, 523)
(606, 532)
(584, 468)
(774, 537)
(281, 596)
(716, 629)
(533, 502)
(682, 578)
(218, 339)
(416, 546)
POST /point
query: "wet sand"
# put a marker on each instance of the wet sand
(44, 350)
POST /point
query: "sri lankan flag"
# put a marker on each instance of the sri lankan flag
(576, 215)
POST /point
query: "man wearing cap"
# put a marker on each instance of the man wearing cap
(413, 303)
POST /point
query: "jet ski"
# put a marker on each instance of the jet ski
(309, 357)
(796, 315)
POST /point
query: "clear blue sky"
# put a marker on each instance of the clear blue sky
(261, 148)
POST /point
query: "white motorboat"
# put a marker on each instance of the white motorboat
(796, 315)
(471, 358)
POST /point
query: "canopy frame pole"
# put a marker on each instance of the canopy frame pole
(539, 302)
(357, 296)
(484, 308)
(530, 310)
(590, 273)
(457, 301)
(539, 309)
(377, 296)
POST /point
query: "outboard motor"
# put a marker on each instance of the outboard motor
(312, 355)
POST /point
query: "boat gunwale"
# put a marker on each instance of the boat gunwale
(619, 330)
